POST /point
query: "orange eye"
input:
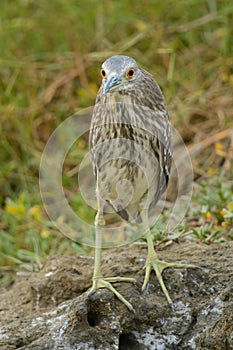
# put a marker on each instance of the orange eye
(103, 73)
(130, 73)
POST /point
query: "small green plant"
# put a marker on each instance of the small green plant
(211, 211)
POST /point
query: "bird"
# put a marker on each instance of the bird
(131, 151)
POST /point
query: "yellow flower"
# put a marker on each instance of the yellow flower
(35, 212)
(230, 206)
(45, 233)
(15, 208)
(211, 171)
(219, 149)
(219, 146)
(223, 212)
(141, 26)
(207, 215)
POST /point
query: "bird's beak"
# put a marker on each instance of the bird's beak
(112, 81)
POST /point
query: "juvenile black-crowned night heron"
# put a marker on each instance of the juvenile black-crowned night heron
(131, 149)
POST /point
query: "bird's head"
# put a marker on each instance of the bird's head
(118, 72)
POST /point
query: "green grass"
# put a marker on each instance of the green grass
(51, 53)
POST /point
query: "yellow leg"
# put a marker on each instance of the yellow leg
(153, 263)
(98, 280)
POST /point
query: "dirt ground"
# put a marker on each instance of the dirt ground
(51, 309)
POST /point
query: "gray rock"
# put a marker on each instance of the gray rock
(51, 309)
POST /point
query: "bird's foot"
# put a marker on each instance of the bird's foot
(101, 282)
(158, 266)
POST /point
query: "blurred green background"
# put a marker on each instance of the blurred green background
(50, 57)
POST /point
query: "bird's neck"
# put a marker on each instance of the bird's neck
(116, 96)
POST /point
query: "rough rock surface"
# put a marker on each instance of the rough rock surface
(51, 310)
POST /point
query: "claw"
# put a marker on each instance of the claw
(158, 266)
(101, 282)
